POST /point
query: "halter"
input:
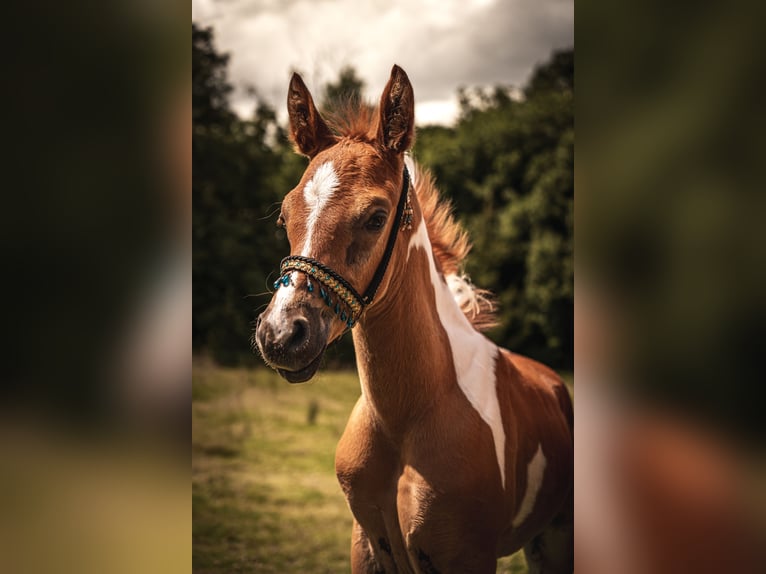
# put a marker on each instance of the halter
(331, 282)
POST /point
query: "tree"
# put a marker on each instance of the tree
(210, 88)
(556, 75)
(242, 169)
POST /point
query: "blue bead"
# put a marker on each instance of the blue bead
(286, 280)
(322, 293)
(276, 284)
(343, 316)
(310, 287)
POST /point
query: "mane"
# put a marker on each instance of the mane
(450, 246)
(353, 119)
(449, 241)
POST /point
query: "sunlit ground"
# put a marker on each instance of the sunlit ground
(265, 497)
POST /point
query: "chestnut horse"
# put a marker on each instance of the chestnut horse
(457, 451)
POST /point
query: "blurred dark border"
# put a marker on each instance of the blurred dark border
(670, 177)
(670, 256)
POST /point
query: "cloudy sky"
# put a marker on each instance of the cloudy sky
(441, 44)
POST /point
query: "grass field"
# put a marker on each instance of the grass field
(265, 497)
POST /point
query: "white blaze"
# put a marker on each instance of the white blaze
(473, 354)
(317, 193)
(535, 471)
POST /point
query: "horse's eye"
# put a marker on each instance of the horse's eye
(376, 222)
(281, 221)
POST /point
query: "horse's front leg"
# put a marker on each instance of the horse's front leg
(468, 560)
(445, 533)
(363, 558)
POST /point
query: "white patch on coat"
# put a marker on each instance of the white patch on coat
(318, 191)
(473, 354)
(284, 296)
(535, 471)
(410, 163)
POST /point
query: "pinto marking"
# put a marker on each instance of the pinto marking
(474, 355)
(535, 471)
(317, 192)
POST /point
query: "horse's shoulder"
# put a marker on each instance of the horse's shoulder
(364, 452)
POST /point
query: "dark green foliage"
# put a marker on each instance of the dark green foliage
(242, 169)
(557, 75)
(507, 165)
(210, 88)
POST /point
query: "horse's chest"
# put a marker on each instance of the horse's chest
(412, 498)
(369, 480)
(401, 511)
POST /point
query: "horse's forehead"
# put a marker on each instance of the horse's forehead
(352, 163)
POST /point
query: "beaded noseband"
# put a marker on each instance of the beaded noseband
(348, 305)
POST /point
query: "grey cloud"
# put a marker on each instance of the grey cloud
(442, 44)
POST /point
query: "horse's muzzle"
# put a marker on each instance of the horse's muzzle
(292, 341)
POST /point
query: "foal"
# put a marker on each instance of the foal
(457, 451)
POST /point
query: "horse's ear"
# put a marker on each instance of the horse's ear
(397, 112)
(308, 130)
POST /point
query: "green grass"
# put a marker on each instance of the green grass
(265, 498)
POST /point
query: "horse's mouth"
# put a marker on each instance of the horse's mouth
(304, 374)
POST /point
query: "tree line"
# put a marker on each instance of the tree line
(507, 165)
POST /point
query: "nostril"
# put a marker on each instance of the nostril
(300, 332)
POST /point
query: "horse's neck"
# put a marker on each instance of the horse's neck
(403, 353)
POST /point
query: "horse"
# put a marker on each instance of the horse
(458, 451)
